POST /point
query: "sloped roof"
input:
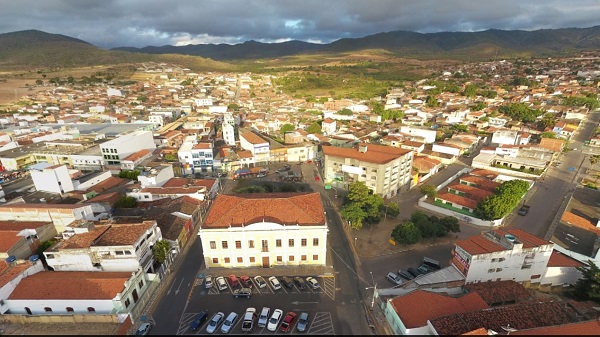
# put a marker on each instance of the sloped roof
(378, 154)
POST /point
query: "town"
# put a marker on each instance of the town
(461, 203)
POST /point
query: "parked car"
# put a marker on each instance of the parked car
(143, 329)
(233, 280)
(414, 272)
(288, 321)
(208, 281)
(313, 283)
(404, 273)
(524, 210)
(198, 320)
(229, 322)
(423, 269)
(263, 318)
(431, 264)
(299, 281)
(274, 283)
(394, 278)
(246, 281)
(248, 320)
(221, 284)
(287, 282)
(244, 292)
(214, 322)
(260, 282)
(302, 322)
(274, 320)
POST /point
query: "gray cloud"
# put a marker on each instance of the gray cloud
(138, 23)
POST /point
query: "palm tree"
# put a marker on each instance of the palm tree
(161, 250)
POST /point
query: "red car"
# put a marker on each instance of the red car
(233, 280)
(246, 281)
(317, 178)
(288, 321)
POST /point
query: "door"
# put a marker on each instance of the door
(266, 262)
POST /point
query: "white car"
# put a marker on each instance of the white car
(214, 322)
(221, 284)
(208, 282)
(274, 320)
(229, 322)
(313, 283)
(260, 281)
(274, 283)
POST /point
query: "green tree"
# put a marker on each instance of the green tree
(594, 159)
(429, 190)
(392, 209)
(588, 286)
(548, 135)
(493, 207)
(251, 189)
(406, 233)
(361, 198)
(161, 250)
(286, 127)
(314, 128)
(346, 112)
(451, 224)
(170, 157)
(233, 107)
(548, 120)
(470, 90)
(125, 202)
(432, 101)
(354, 213)
(39, 82)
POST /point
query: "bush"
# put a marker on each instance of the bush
(406, 233)
(126, 202)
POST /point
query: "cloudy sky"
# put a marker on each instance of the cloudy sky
(139, 23)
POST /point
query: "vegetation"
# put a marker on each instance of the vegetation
(392, 209)
(422, 226)
(361, 205)
(429, 190)
(286, 128)
(42, 248)
(589, 101)
(161, 250)
(588, 286)
(505, 199)
(125, 202)
(314, 128)
(129, 174)
(594, 159)
(520, 112)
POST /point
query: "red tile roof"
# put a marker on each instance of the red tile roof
(480, 182)
(558, 259)
(378, 154)
(137, 155)
(8, 239)
(20, 225)
(124, 234)
(252, 138)
(282, 208)
(499, 292)
(9, 272)
(476, 245)
(457, 199)
(70, 285)
(417, 307)
(473, 192)
(578, 221)
(528, 240)
(591, 328)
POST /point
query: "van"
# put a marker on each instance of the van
(433, 264)
(394, 278)
(405, 274)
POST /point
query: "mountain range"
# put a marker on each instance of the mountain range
(40, 49)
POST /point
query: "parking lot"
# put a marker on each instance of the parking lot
(318, 303)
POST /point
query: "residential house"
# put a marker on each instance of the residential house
(259, 147)
(21, 239)
(60, 215)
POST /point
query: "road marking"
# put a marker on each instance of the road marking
(179, 288)
(329, 287)
(321, 324)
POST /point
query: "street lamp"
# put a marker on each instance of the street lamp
(355, 242)
(374, 291)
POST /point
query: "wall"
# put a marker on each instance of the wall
(459, 216)
(560, 276)
(504, 171)
(9, 286)
(44, 319)
(94, 181)
(59, 306)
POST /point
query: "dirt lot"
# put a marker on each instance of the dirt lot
(13, 89)
(59, 329)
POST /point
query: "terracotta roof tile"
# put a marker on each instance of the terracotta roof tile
(591, 328)
(20, 225)
(459, 200)
(252, 138)
(528, 240)
(9, 272)
(558, 259)
(378, 154)
(8, 239)
(124, 234)
(70, 285)
(282, 208)
(137, 155)
(82, 240)
(499, 292)
(476, 245)
(578, 221)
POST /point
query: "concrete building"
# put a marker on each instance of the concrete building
(427, 135)
(259, 147)
(156, 176)
(282, 229)
(21, 239)
(114, 150)
(505, 137)
(51, 178)
(196, 157)
(385, 170)
(329, 126)
(60, 215)
(228, 134)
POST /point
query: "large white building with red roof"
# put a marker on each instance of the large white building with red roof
(277, 229)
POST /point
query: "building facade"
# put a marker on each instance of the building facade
(114, 150)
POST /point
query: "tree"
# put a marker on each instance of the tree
(346, 112)
(470, 90)
(129, 174)
(286, 127)
(361, 205)
(314, 128)
(588, 286)
(161, 250)
(125, 202)
(353, 213)
(451, 224)
(406, 233)
(392, 209)
(170, 157)
(429, 190)
(594, 159)
(493, 207)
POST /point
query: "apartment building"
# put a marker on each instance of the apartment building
(279, 229)
(117, 149)
(51, 178)
(59, 214)
(385, 170)
(259, 147)
(196, 157)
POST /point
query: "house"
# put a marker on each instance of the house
(259, 147)
(157, 176)
(21, 239)
(61, 215)
(76, 292)
(102, 247)
(385, 170)
(329, 126)
(577, 236)
(277, 229)
(196, 157)
(133, 160)
(508, 137)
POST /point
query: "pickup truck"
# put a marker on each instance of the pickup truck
(248, 321)
(524, 209)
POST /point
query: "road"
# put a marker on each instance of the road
(17, 185)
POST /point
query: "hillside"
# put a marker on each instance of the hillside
(33, 48)
(455, 45)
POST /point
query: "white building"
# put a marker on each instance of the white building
(502, 254)
(447, 148)
(123, 146)
(90, 246)
(505, 137)
(196, 157)
(428, 135)
(53, 179)
(259, 147)
(228, 134)
(329, 126)
(289, 229)
(59, 214)
(157, 176)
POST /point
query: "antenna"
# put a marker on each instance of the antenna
(508, 329)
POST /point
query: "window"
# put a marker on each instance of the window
(127, 303)
(315, 257)
(303, 242)
(238, 244)
(252, 259)
(279, 258)
(533, 277)
(213, 245)
(224, 244)
(240, 260)
(278, 243)
(303, 257)
(227, 260)
(141, 284)
(69, 309)
(49, 256)
(291, 259)
(494, 260)
(315, 242)
(119, 252)
(498, 270)
(91, 309)
(215, 260)
(501, 259)
(251, 243)
(48, 309)
(491, 270)
(291, 243)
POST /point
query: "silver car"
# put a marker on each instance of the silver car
(302, 322)
(229, 322)
(208, 282)
(263, 318)
(214, 322)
